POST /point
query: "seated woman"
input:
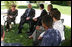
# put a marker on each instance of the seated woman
(12, 13)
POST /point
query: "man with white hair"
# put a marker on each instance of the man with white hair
(27, 17)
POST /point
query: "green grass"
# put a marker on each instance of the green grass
(13, 37)
(67, 41)
(64, 9)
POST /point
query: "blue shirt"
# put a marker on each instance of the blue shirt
(51, 37)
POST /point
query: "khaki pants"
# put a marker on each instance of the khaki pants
(36, 33)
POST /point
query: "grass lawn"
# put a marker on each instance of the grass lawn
(63, 9)
(13, 37)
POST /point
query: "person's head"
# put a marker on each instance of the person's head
(55, 14)
(47, 22)
(50, 7)
(13, 7)
(29, 6)
(2, 33)
(41, 6)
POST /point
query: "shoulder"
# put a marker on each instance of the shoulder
(58, 25)
(44, 11)
(33, 9)
(26, 9)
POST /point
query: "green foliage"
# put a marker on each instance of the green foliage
(59, 2)
(9, 3)
(56, 2)
(25, 6)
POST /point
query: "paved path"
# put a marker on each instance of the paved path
(67, 19)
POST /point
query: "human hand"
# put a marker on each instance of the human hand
(39, 38)
(35, 19)
(27, 18)
(11, 16)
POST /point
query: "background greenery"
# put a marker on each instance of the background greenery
(64, 9)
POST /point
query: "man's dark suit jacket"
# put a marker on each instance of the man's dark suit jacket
(43, 13)
(31, 13)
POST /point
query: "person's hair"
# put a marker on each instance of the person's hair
(42, 6)
(51, 6)
(1, 31)
(48, 21)
(55, 13)
(13, 5)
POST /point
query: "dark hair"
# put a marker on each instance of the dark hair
(42, 6)
(1, 31)
(48, 21)
(55, 13)
(51, 6)
(13, 5)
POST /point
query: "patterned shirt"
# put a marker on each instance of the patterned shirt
(51, 38)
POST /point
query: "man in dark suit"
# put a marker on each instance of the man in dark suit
(27, 17)
(43, 13)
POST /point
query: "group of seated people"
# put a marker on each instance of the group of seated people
(46, 30)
